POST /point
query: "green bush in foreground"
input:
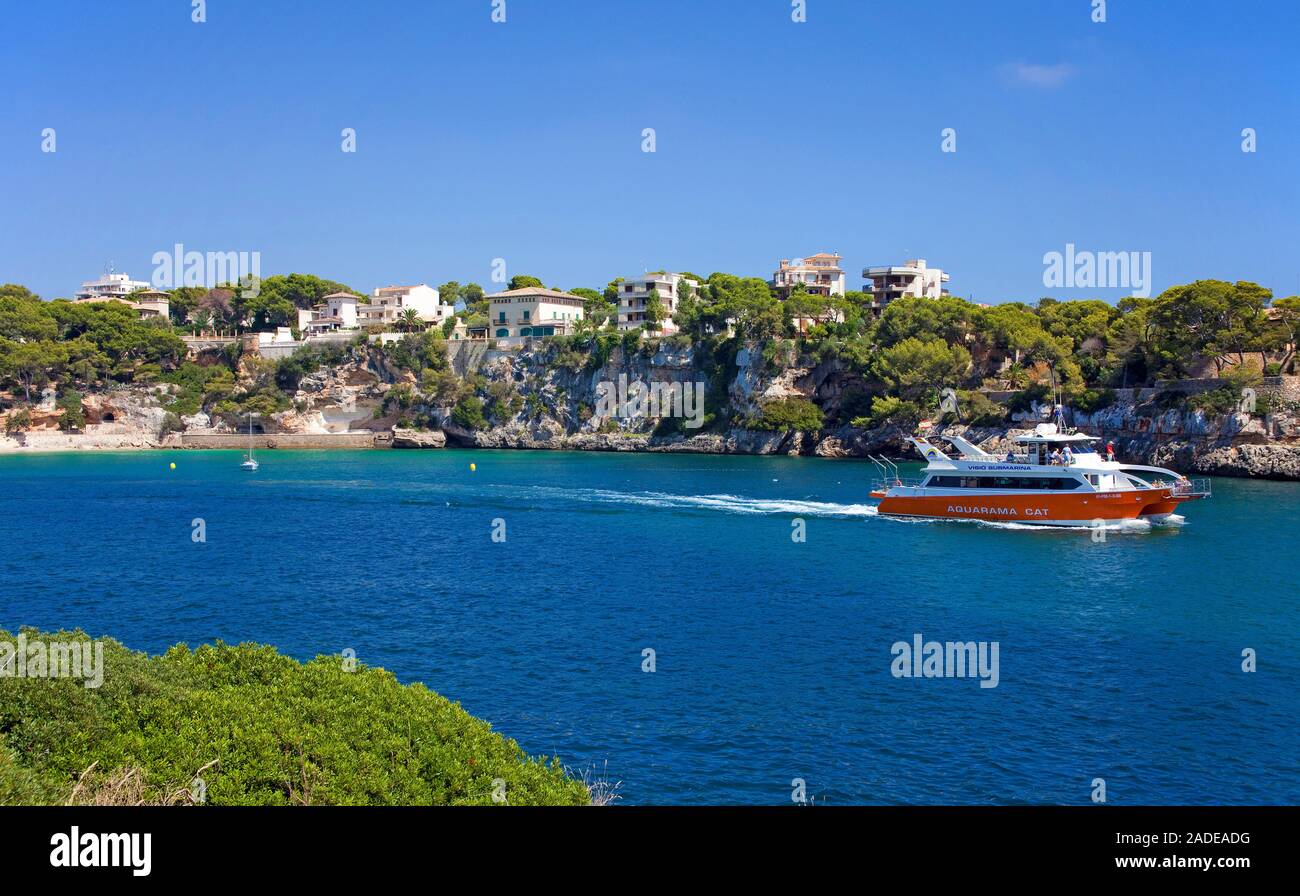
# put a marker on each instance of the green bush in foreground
(262, 728)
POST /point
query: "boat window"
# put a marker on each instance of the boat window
(1017, 483)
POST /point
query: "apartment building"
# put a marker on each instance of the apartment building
(114, 287)
(110, 286)
(633, 295)
(820, 274)
(911, 278)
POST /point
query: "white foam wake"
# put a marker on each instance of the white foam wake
(735, 503)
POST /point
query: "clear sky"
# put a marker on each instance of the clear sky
(774, 139)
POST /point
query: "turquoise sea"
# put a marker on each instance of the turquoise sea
(1119, 659)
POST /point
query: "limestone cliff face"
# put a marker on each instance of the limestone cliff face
(550, 397)
(576, 405)
(558, 408)
(1235, 444)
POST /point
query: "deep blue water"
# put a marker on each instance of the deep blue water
(1119, 660)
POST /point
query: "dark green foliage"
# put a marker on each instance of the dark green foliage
(308, 359)
(786, 414)
(468, 413)
(265, 729)
(978, 410)
(418, 352)
(892, 410)
(73, 416)
(1091, 400)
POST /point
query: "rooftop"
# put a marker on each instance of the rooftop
(538, 291)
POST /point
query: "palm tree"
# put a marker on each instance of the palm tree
(201, 319)
(410, 321)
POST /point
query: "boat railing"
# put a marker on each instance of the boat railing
(1192, 488)
(897, 482)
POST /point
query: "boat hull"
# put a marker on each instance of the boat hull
(1037, 508)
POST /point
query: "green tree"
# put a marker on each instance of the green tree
(449, 292)
(1285, 330)
(32, 364)
(472, 295)
(523, 281)
(654, 312)
(916, 366)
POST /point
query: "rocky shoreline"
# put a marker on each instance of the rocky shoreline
(558, 408)
(1185, 454)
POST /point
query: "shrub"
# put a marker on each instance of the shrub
(468, 413)
(18, 421)
(569, 358)
(73, 416)
(785, 414)
(171, 423)
(1223, 400)
(889, 409)
(1025, 398)
(981, 410)
(1092, 400)
(263, 728)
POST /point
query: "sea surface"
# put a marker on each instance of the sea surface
(1118, 659)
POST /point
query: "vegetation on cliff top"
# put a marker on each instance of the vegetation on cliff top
(257, 728)
(899, 359)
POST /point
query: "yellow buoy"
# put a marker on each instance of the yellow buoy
(472, 468)
(173, 465)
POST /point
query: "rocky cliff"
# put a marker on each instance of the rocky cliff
(556, 397)
(560, 409)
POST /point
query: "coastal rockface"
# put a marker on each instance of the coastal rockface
(556, 399)
(550, 397)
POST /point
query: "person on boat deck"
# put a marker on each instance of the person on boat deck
(1110, 451)
(1056, 457)
(1011, 455)
(1067, 456)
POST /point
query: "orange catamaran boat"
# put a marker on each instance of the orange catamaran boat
(1030, 485)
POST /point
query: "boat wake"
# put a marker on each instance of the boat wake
(734, 504)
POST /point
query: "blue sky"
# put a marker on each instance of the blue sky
(775, 139)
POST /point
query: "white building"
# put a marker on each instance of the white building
(148, 303)
(110, 286)
(518, 315)
(389, 303)
(633, 295)
(151, 304)
(820, 275)
(338, 311)
(911, 278)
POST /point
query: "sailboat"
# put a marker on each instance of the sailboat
(249, 463)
